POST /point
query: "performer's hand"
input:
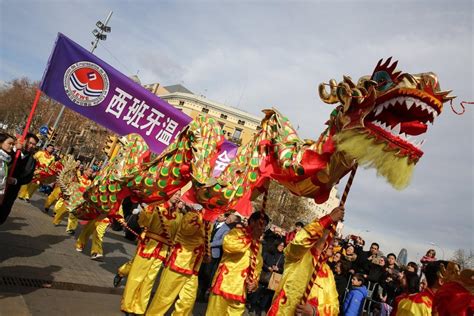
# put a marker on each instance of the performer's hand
(252, 285)
(337, 214)
(306, 310)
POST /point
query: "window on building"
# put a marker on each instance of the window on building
(205, 110)
(237, 133)
(241, 122)
(181, 103)
(223, 116)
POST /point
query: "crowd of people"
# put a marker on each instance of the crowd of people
(236, 263)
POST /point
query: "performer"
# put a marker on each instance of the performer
(180, 277)
(53, 197)
(43, 159)
(60, 208)
(300, 257)
(159, 223)
(231, 282)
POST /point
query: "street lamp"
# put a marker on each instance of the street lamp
(436, 245)
(99, 36)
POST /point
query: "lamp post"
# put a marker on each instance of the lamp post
(99, 36)
(436, 245)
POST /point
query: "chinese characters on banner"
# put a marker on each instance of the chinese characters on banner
(86, 84)
(227, 153)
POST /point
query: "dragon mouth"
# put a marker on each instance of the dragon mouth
(402, 118)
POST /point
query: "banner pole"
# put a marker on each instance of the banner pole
(27, 128)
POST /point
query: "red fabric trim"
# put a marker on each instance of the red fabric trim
(281, 298)
(216, 289)
(171, 263)
(325, 221)
(156, 252)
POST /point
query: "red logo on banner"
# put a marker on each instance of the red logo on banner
(86, 83)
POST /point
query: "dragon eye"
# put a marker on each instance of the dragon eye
(383, 79)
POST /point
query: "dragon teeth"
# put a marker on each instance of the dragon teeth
(396, 129)
(378, 110)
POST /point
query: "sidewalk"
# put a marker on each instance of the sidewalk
(36, 255)
(41, 273)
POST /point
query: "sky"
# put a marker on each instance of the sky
(254, 55)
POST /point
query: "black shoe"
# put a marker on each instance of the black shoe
(117, 280)
(27, 200)
(46, 210)
(70, 232)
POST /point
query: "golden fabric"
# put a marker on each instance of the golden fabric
(27, 190)
(182, 267)
(300, 258)
(140, 280)
(43, 158)
(218, 305)
(52, 197)
(97, 229)
(61, 210)
(324, 293)
(124, 269)
(419, 304)
(152, 250)
(230, 277)
(174, 284)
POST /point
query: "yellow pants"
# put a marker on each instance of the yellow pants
(124, 269)
(52, 197)
(61, 210)
(173, 284)
(140, 282)
(97, 230)
(27, 190)
(221, 306)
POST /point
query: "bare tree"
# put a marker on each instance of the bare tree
(464, 258)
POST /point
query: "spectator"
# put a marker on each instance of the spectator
(22, 174)
(377, 270)
(392, 263)
(354, 301)
(340, 277)
(291, 235)
(350, 257)
(429, 257)
(6, 149)
(364, 258)
(412, 267)
(273, 261)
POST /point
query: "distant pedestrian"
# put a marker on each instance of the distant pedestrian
(6, 149)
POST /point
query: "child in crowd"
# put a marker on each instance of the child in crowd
(355, 299)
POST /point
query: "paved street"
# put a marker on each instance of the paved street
(42, 274)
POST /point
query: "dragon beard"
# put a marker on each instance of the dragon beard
(369, 153)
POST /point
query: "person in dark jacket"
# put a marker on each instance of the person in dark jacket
(355, 299)
(23, 174)
(340, 277)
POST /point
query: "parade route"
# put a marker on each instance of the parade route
(41, 273)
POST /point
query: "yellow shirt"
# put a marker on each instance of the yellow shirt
(158, 221)
(189, 245)
(43, 158)
(419, 304)
(324, 293)
(300, 259)
(234, 267)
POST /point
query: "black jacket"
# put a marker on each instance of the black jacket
(24, 169)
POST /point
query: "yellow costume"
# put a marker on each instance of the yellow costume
(419, 304)
(96, 228)
(61, 207)
(229, 291)
(182, 266)
(300, 259)
(52, 197)
(43, 159)
(324, 293)
(160, 225)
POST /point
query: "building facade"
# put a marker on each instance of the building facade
(238, 126)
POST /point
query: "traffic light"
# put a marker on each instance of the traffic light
(110, 145)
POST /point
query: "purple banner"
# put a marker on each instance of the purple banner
(86, 84)
(227, 153)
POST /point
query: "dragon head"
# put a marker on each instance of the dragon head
(381, 120)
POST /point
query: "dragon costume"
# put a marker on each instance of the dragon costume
(376, 124)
